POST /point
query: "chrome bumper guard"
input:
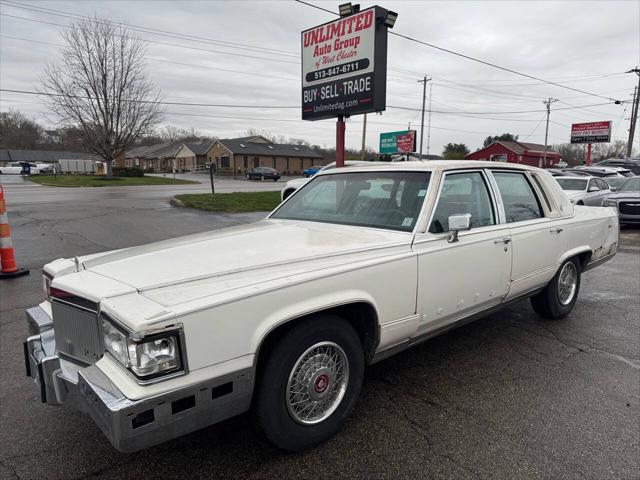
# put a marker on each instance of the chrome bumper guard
(129, 425)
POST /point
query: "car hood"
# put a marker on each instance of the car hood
(261, 249)
(574, 193)
(624, 196)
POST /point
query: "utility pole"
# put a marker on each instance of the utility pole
(364, 137)
(634, 112)
(429, 121)
(424, 98)
(546, 132)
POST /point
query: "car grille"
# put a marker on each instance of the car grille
(629, 208)
(78, 332)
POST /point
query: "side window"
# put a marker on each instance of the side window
(519, 200)
(463, 193)
(542, 191)
(602, 185)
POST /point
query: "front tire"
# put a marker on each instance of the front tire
(559, 296)
(310, 382)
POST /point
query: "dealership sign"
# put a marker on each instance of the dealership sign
(592, 132)
(398, 142)
(344, 66)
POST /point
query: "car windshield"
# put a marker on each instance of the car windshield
(626, 173)
(631, 185)
(572, 183)
(389, 200)
(615, 182)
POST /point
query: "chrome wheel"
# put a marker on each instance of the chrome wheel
(567, 283)
(317, 383)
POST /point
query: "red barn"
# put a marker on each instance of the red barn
(516, 152)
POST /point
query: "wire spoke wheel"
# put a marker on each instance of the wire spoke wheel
(317, 383)
(567, 283)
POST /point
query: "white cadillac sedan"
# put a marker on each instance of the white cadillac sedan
(284, 315)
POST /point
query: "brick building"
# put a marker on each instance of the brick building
(241, 154)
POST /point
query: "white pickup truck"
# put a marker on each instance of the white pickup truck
(283, 315)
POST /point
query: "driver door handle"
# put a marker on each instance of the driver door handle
(504, 240)
(555, 230)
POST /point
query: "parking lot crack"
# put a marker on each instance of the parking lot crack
(12, 470)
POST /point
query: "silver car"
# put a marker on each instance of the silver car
(585, 190)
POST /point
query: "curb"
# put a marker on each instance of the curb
(176, 203)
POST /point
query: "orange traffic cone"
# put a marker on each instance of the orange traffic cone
(8, 267)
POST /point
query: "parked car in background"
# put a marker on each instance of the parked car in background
(605, 171)
(615, 182)
(584, 190)
(632, 164)
(576, 172)
(262, 173)
(311, 171)
(559, 172)
(626, 200)
(44, 167)
(292, 185)
(155, 341)
(560, 165)
(16, 168)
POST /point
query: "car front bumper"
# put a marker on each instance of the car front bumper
(129, 425)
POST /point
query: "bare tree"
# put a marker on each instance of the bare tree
(99, 86)
(18, 131)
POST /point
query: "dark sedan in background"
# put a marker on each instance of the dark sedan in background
(627, 201)
(263, 173)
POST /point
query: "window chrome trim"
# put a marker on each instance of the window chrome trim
(443, 177)
(524, 173)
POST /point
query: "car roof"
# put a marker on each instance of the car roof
(432, 166)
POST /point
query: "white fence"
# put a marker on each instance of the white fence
(77, 166)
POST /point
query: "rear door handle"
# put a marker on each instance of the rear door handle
(555, 230)
(504, 240)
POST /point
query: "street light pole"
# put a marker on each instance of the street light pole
(424, 98)
(429, 121)
(546, 132)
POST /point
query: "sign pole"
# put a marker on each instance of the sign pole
(364, 138)
(340, 128)
(588, 162)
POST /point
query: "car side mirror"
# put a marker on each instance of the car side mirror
(593, 189)
(458, 223)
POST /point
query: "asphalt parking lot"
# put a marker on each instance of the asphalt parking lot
(509, 396)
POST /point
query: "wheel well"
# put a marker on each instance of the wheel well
(580, 203)
(583, 258)
(360, 315)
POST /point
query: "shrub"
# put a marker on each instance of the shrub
(128, 172)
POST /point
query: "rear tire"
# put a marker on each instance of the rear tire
(559, 296)
(309, 383)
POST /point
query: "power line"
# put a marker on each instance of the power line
(153, 31)
(49, 94)
(270, 59)
(473, 59)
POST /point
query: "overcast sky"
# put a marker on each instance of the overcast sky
(586, 45)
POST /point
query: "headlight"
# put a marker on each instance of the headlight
(147, 357)
(154, 356)
(115, 342)
(610, 203)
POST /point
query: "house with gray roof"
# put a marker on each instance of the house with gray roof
(161, 157)
(40, 156)
(238, 155)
